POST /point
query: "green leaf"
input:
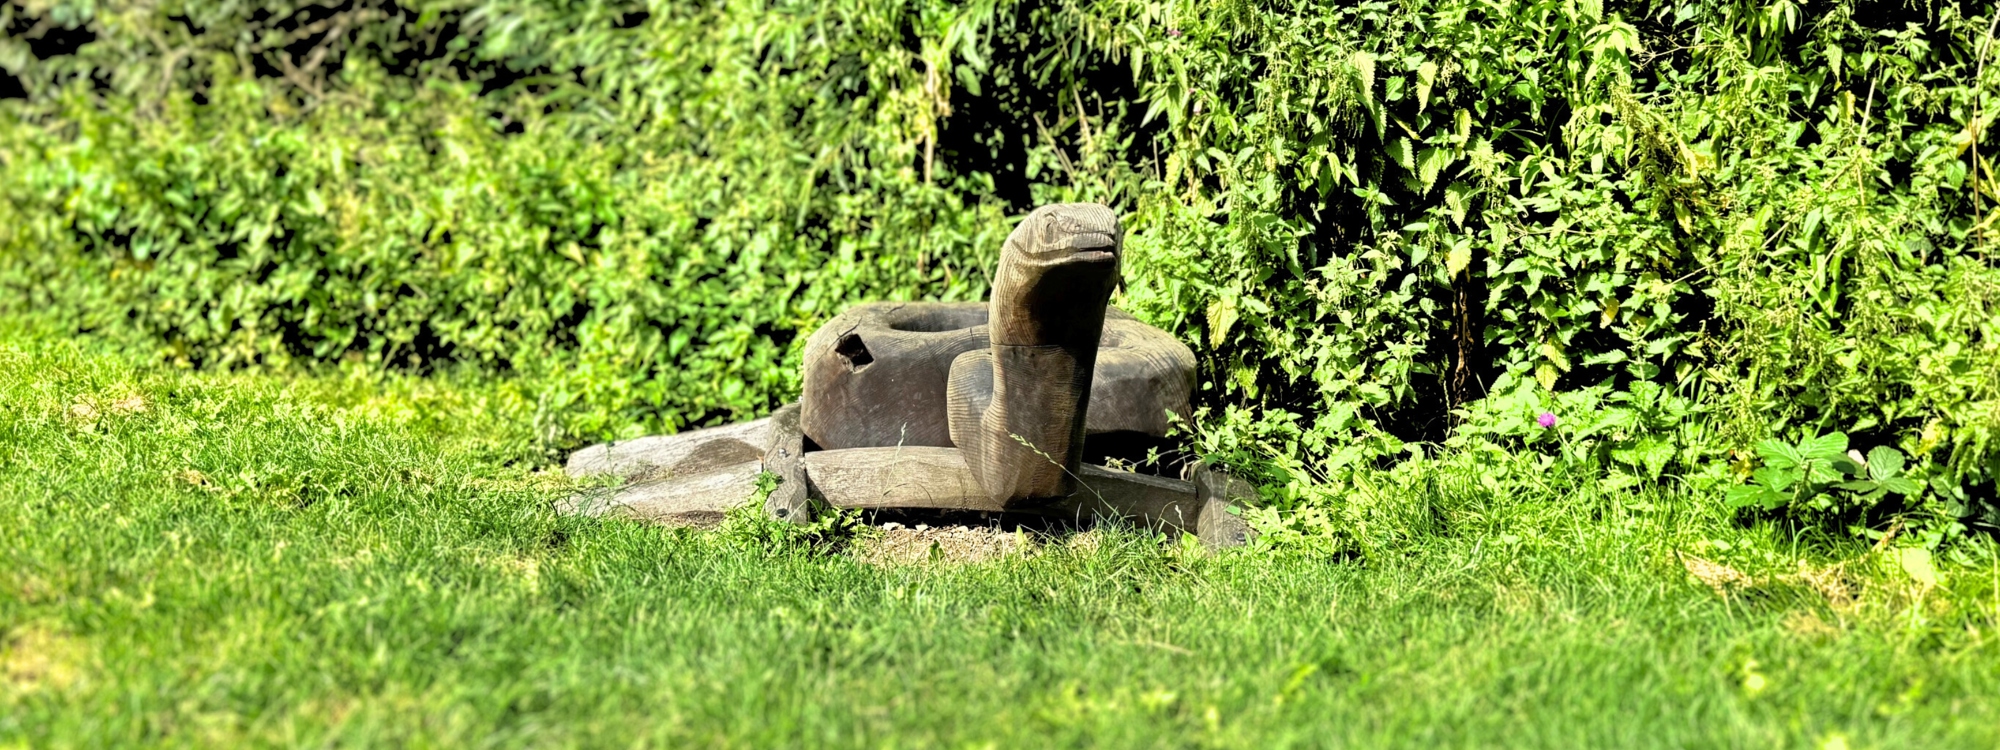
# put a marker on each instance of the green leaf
(1364, 73)
(1821, 471)
(1776, 478)
(1221, 317)
(1884, 462)
(1916, 561)
(1651, 453)
(1434, 162)
(1825, 447)
(1779, 454)
(1457, 199)
(1459, 257)
(1901, 485)
(1745, 496)
(1405, 154)
(1426, 76)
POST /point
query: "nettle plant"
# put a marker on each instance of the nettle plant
(1639, 434)
(1820, 474)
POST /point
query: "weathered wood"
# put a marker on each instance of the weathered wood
(876, 374)
(785, 457)
(1223, 498)
(698, 499)
(879, 478)
(906, 477)
(668, 456)
(1142, 375)
(1158, 503)
(1018, 409)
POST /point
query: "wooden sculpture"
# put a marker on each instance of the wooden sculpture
(957, 406)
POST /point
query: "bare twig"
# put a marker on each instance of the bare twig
(1083, 121)
(1069, 168)
(1888, 536)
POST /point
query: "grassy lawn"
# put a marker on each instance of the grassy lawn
(207, 559)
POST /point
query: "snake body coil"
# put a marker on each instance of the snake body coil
(1016, 383)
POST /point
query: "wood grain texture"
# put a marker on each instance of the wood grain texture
(1050, 292)
(906, 477)
(1141, 374)
(698, 499)
(1223, 497)
(1157, 503)
(668, 456)
(1055, 276)
(790, 501)
(875, 375)
(882, 478)
(1015, 411)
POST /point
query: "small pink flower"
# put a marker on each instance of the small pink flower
(1547, 419)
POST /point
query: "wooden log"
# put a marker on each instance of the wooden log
(1157, 503)
(919, 478)
(905, 477)
(698, 499)
(683, 454)
(938, 478)
(1223, 498)
(785, 457)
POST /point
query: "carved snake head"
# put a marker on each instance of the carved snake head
(1068, 233)
(1056, 275)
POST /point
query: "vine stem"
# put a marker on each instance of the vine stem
(1974, 129)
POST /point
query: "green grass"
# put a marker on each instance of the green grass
(226, 560)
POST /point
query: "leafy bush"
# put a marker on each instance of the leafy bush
(524, 189)
(1821, 474)
(1682, 227)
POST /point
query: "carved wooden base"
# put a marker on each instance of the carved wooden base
(674, 483)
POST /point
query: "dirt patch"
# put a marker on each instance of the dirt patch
(898, 544)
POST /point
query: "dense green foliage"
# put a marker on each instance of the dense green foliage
(201, 559)
(1682, 227)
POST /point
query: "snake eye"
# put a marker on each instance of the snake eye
(1050, 231)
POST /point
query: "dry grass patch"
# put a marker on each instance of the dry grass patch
(1808, 625)
(38, 658)
(1719, 578)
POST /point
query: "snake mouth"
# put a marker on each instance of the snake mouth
(1092, 247)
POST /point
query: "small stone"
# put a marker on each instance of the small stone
(923, 527)
(891, 526)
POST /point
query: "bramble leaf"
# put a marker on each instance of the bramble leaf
(1916, 561)
(1776, 478)
(1884, 462)
(1825, 447)
(1779, 455)
(1901, 485)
